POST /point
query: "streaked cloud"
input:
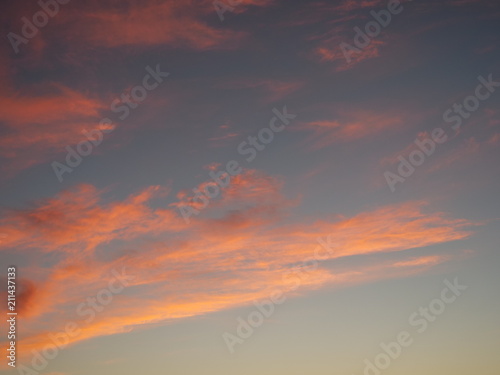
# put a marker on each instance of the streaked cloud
(235, 252)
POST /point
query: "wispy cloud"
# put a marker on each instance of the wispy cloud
(237, 251)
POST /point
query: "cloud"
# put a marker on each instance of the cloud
(76, 221)
(237, 251)
(470, 147)
(152, 23)
(180, 24)
(350, 124)
(274, 89)
(339, 20)
(26, 291)
(39, 123)
(446, 158)
(329, 52)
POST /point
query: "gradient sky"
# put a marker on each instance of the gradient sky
(323, 175)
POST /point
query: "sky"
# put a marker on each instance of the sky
(252, 186)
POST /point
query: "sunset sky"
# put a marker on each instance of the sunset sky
(187, 161)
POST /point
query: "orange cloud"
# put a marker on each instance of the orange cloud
(40, 124)
(274, 89)
(447, 157)
(351, 5)
(343, 16)
(241, 249)
(181, 24)
(333, 53)
(470, 147)
(74, 221)
(350, 125)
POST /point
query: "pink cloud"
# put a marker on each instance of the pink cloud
(350, 125)
(236, 252)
